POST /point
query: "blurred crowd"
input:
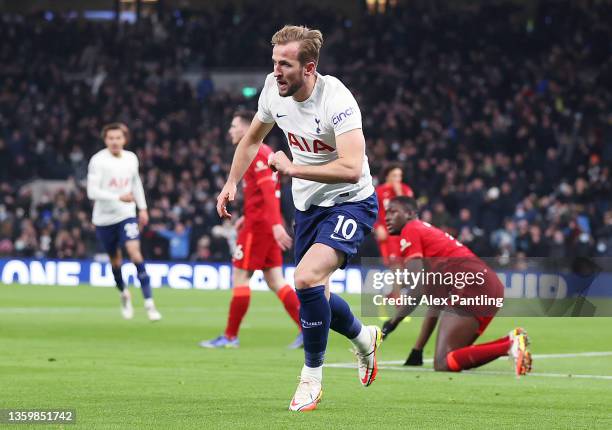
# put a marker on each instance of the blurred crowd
(501, 118)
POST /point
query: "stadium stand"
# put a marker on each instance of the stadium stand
(471, 122)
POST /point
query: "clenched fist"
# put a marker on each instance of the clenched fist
(279, 162)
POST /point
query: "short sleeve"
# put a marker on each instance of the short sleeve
(264, 113)
(410, 243)
(342, 110)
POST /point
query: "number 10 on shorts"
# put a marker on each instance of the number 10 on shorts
(345, 227)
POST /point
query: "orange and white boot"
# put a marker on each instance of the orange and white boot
(519, 351)
(307, 396)
(366, 361)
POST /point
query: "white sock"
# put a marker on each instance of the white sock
(363, 341)
(313, 372)
(148, 303)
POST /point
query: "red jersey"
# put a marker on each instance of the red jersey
(464, 274)
(423, 240)
(385, 193)
(261, 190)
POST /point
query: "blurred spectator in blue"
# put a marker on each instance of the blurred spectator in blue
(178, 241)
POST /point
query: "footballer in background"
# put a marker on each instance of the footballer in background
(261, 240)
(113, 183)
(425, 247)
(392, 187)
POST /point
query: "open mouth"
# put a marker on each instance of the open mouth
(282, 85)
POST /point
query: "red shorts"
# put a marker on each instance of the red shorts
(256, 249)
(390, 249)
(483, 323)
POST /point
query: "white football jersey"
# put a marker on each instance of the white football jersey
(311, 128)
(109, 177)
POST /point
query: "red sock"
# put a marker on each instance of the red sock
(290, 300)
(241, 297)
(477, 355)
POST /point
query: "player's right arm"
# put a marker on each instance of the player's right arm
(414, 265)
(95, 191)
(412, 252)
(243, 157)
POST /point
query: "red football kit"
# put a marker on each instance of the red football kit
(256, 248)
(389, 248)
(444, 254)
(261, 211)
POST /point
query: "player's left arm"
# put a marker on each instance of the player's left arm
(415, 358)
(342, 115)
(350, 147)
(414, 265)
(412, 252)
(139, 198)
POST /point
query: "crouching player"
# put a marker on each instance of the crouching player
(261, 240)
(464, 311)
(114, 184)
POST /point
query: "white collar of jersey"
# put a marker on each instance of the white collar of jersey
(113, 155)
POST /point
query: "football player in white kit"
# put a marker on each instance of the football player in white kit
(332, 191)
(114, 184)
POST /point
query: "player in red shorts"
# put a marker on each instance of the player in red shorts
(261, 240)
(393, 187)
(470, 295)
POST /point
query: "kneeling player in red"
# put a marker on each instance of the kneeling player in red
(261, 240)
(462, 292)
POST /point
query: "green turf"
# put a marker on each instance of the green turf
(67, 347)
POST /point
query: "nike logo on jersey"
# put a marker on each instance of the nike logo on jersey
(404, 244)
(280, 116)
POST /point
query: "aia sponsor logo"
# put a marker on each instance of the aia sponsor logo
(119, 182)
(316, 146)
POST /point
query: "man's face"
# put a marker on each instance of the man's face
(115, 141)
(394, 176)
(237, 130)
(396, 218)
(288, 71)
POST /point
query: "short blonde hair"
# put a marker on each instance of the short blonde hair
(116, 126)
(310, 41)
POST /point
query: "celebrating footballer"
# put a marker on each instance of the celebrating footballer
(332, 191)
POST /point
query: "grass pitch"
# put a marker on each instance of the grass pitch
(67, 347)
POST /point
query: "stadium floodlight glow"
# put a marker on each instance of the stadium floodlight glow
(249, 92)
